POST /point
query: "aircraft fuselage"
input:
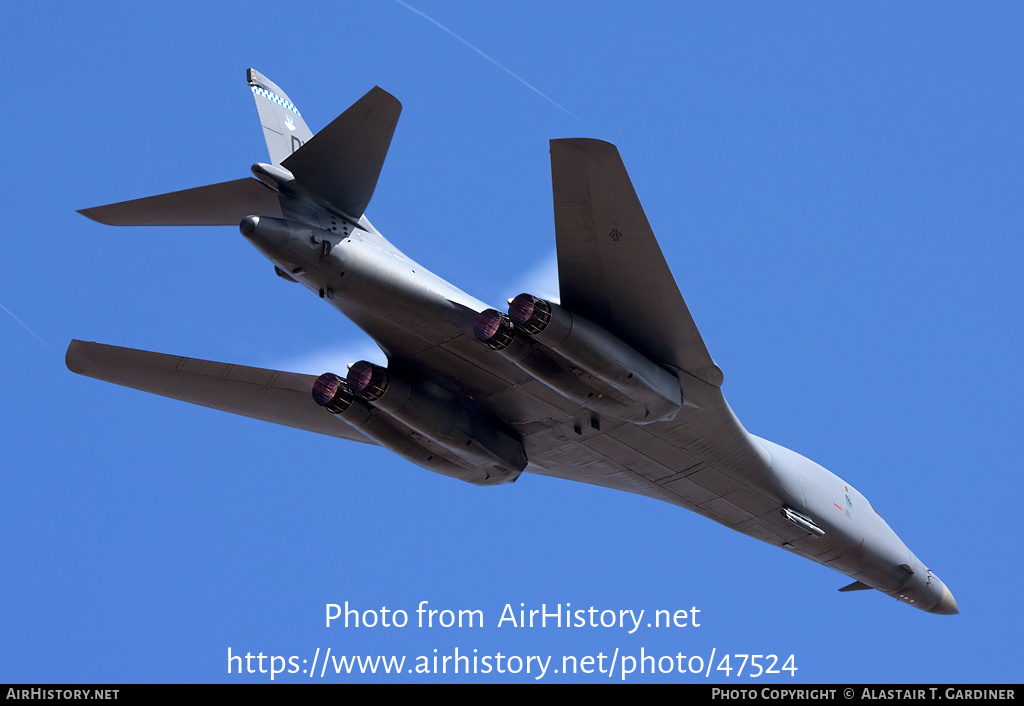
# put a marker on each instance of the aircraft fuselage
(398, 302)
(612, 385)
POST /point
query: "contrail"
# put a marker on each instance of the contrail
(24, 326)
(508, 71)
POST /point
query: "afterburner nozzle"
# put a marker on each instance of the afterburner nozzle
(367, 380)
(332, 392)
(530, 313)
(494, 328)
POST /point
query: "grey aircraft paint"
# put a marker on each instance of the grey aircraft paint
(613, 386)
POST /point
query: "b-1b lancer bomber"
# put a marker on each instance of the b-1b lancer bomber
(612, 385)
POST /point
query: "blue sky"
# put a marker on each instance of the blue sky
(837, 189)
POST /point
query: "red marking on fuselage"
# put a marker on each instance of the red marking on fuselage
(838, 507)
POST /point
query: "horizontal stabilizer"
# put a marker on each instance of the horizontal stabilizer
(610, 267)
(342, 162)
(224, 204)
(855, 586)
(270, 395)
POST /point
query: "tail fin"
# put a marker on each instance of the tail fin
(283, 127)
(340, 166)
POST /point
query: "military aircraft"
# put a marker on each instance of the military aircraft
(612, 385)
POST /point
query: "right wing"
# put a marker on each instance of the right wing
(611, 271)
(270, 395)
(610, 267)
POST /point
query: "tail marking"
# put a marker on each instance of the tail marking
(284, 102)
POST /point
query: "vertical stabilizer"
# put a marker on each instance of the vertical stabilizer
(283, 127)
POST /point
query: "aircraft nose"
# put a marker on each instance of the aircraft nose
(946, 605)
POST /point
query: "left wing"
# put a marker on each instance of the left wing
(270, 395)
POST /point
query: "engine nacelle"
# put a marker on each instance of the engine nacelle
(619, 381)
(334, 394)
(465, 433)
(497, 331)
